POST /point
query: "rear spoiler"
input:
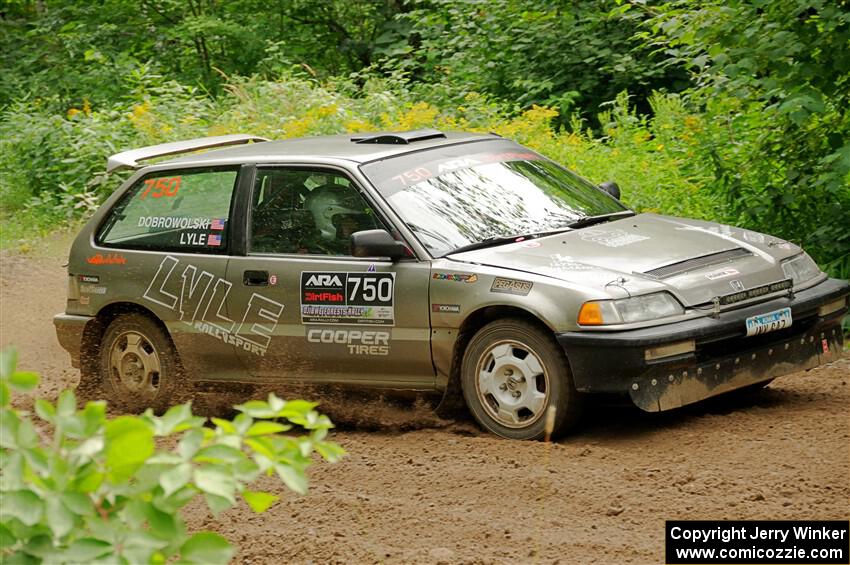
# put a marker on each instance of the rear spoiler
(130, 159)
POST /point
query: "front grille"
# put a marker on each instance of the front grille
(697, 262)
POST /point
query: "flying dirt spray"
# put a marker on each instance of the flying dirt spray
(548, 428)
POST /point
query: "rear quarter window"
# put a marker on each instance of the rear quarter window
(186, 211)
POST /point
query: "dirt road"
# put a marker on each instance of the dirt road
(416, 489)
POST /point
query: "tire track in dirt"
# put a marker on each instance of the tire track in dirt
(447, 493)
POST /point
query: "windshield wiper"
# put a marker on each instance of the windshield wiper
(494, 240)
(491, 241)
(590, 220)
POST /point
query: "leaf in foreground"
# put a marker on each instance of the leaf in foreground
(207, 548)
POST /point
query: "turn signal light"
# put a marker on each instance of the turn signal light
(670, 350)
(834, 306)
(590, 314)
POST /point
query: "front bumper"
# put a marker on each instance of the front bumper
(724, 359)
(69, 331)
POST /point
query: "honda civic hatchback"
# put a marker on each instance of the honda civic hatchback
(453, 263)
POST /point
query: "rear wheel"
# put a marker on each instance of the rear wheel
(512, 372)
(138, 364)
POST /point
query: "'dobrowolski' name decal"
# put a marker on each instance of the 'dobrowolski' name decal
(198, 298)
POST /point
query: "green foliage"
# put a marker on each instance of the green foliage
(572, 57)
(83, 50)
(649, 158)
(569, 57)
(738, 111)
(773, 85)
(662, 162)
(69, 151)
(76, 487)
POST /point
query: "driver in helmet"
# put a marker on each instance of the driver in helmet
(338, 212)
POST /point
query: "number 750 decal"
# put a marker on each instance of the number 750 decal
(157, 188)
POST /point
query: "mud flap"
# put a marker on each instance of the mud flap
(69, 331)
(658, 390)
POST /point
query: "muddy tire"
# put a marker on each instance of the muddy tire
(512, 372)
(139, 367)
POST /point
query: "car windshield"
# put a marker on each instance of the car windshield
(488, 192)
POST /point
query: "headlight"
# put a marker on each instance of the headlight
(629, 310)
(800, 268)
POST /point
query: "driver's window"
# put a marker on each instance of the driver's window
(306, 212)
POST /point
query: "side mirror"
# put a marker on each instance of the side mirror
(611, 188)
(377, 243)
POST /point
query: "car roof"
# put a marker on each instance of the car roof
(322, 148)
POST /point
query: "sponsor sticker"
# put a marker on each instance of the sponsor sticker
(84, 300)
(424, 172)
(356, 342)
(347, 298)
(560, 262)
(610, 238)
(511, 286)
(531, 244)
(198, 298)
(455, 277)
(273, 280)
(446, 308)
(93, 279)
(720, 229)
(108, 259)
(756, 292)
(722, 273)
(92, 289)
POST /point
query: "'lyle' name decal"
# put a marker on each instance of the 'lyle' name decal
(199, 300)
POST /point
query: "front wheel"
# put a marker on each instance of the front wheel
(512, 372)
(138, 364)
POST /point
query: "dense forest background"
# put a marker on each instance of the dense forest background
(731, 110)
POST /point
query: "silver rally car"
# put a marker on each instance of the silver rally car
(455, 263)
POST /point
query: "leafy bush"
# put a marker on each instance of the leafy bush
(649, 158)
(82, 50)
(681, 161)
(53, 165)
(76, 487)
(776, 111)
(568, 56)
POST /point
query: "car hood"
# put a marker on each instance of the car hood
(695, 260)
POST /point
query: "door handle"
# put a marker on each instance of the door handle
(255, 278)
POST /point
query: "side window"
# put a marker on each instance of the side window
(307, 211)
(185, 211)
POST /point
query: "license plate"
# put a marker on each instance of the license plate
(772, 321)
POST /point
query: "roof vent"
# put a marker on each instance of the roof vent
(399, 138)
